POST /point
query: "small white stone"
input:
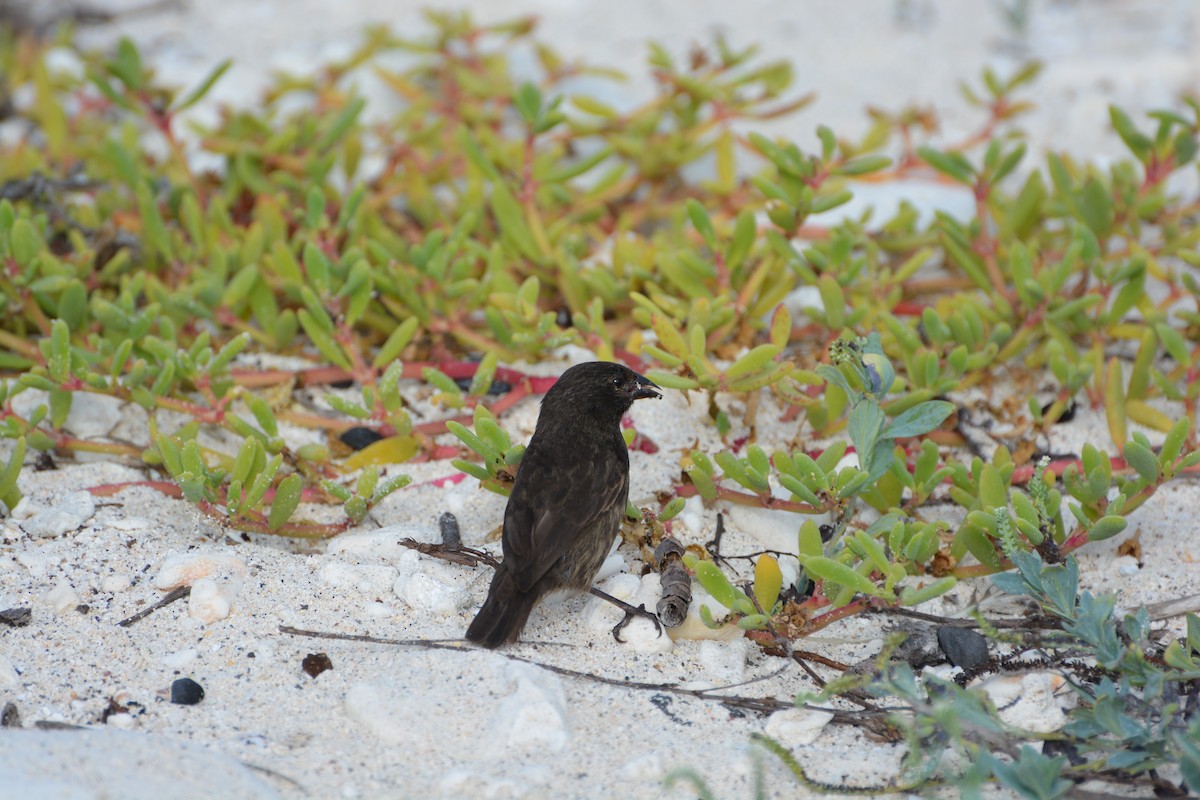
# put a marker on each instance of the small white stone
(65, 61)
(642, 636)
(646, 767)
(372, 579)
(24, 509)
(382, 544)
(122, 721)
(180, 658)
(424, 593)
(34, 561)
(62, 598)
(379, 610)
(692, 515)
(184, 569)
(1127, 566)
(67, 514)
(209, 601)
(9, 677)
(533, 718)
(115, 583)
(614, 564)
(263, 649)
(366, 705)
(724, 662)
(1029, 701)
(794, 727)
(130, 524)
(94, 417)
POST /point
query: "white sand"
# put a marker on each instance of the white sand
(409, 722)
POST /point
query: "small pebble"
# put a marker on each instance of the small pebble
(963, 647)
(359, 437)
(448, 523)
(94, 418)
(186, 692)
(67, 514)
(9, 677)
(794, 727)
(210, 601)
(316, 663)
(180, 659)
(185, 569)
(371, 579)
(115, 583)
(16, 617)
(382, 544)
(422, 592)
(62, 598)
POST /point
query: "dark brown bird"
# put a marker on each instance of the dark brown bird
(568, 499)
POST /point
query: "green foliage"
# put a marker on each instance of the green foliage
(513, 217)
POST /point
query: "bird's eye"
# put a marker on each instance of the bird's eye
(616, 381)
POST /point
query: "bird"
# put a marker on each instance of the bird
(568, 498)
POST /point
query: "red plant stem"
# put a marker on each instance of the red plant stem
(747, 499)
(836, 615)
(109, 489)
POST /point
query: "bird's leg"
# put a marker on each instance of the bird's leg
(630, 613)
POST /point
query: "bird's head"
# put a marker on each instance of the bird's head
(601, 388)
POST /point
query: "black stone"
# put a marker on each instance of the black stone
(963, 647)
(358, 438)
(186, 692)
(16, 617)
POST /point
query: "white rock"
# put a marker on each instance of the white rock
(67, 514)
(366, 705)
(9, 677)
(424, 593)
(532, 719)
(93, 416)
(24, 509)
(184, 569)
(646, 767)
(210, 601)
(62, 598)
(130, 524)
(115, 583)
(34, 561)
(121, 721)
(776, 530)
(612, 565)
(724, 662)
(65, 61)
(801, 298)
(640, 635)
(373, 579)
(794, 727)
(382, 544)
(601, 615)
(180, 658)
(1029, 701)
(263, 649)
(692, 515)
(379, 610)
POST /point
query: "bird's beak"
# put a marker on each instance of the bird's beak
(643, 388)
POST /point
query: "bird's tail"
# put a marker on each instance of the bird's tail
(503, 615)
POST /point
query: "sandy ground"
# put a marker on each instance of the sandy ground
(407, 721)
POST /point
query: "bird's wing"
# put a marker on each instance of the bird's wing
(557, 508)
